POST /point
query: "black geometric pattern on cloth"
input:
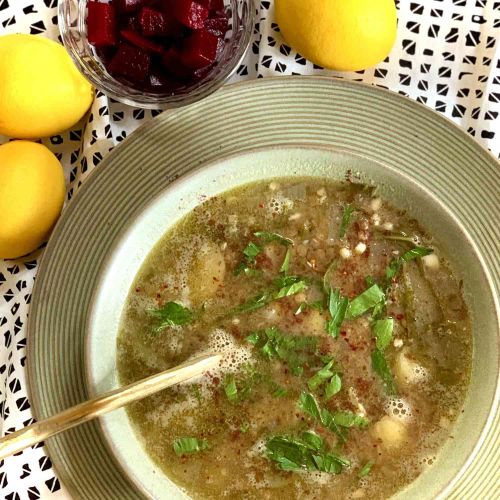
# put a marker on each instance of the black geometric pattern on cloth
(447, 56)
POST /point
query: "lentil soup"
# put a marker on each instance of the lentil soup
(345, 337)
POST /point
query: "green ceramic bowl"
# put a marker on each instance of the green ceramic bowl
(271, 128)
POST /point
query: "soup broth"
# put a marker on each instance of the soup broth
(346, 344)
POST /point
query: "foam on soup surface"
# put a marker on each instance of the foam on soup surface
(346, 345)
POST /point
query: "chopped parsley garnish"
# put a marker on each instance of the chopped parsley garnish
(188, 445)
(327, 276)
(251, 251)
(273, 344)
(349, 419)
(333, 386)
(286, 263)
(346, 217)
(381, 368)
(305, 453)
(337, 305)
(366, 301)
(321, 376)
(289, 285)
(382, 330)
(244, 427)
(172, 314)
(268, 237)
(255, 303)
(230, 388)
(284, 287)
(366, 469)
(396, 264)
(277, 391)
(327, 375)
(337, 422)
(309, 405)
(318, 305)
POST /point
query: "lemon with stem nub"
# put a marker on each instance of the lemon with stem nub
(41, 91)
(32, 191)
(343, 35)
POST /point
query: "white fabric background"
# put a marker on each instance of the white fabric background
(447, 56)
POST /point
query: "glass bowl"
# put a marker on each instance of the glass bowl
(72, 24)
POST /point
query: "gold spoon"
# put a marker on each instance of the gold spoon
(100, 405)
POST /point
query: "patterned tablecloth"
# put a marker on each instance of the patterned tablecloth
(447, 56)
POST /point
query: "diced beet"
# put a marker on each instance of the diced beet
(128, 6)
(130, 23)
(217, 26)
(130, 62)
(153, 22)
(171, 61)
(101, 24)
(199, 49)
(141, 42)
(190, 13)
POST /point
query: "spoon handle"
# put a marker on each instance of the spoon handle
(100, 405)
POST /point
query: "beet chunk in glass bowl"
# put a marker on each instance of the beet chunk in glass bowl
(156, 53)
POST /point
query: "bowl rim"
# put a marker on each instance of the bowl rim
(34, 396)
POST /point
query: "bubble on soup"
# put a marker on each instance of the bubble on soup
(233, 357)
(279, 204)
(399, 408)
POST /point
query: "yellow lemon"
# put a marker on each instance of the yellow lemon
(32, 191)
(344, 35)
(41, 91)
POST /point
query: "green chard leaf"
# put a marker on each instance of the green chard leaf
(333, 387)
(366, 469)
(382, 329)
(346, 217)
(337, 305)
(396, 264)
(172, 314)
(286, 263)
(188, 445)
(230, 388)
(364, 302)
(268, 237)
(381, 368)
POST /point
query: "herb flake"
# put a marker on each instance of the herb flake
(381, 368)
(172, 314)
(346, 217)
(189, 445)
(365, 301)
(268, 237)
(366, 469)
(382, 330)
(337, 305)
